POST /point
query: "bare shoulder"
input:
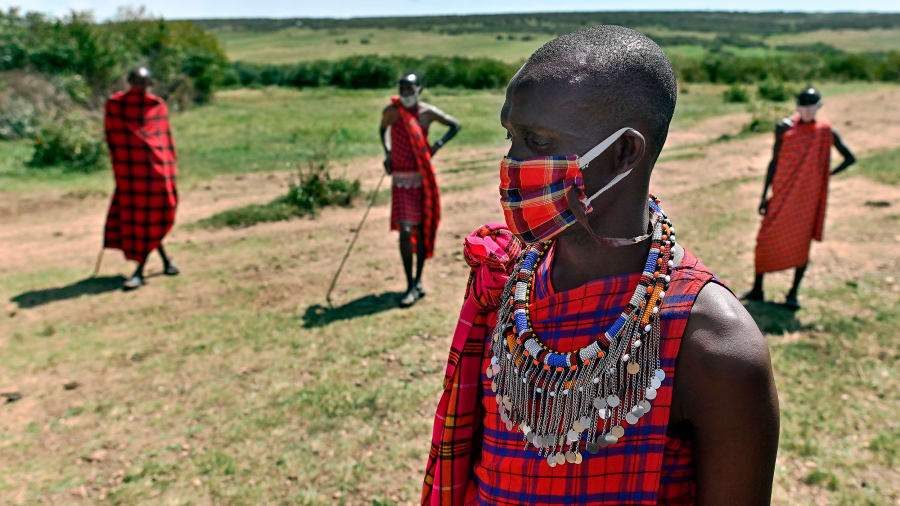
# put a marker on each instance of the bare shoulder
(783, 125)
(723, 343)
(434, 113)
(427, 107)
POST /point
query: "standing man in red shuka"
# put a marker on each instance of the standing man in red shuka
(596, 361)
(795, 214)
(415, 202)
(140, 143)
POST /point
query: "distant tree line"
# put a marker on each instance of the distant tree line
(187, 62)
(757, 23)
(372, 71)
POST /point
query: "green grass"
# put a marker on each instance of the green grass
(300, 44)
(292, 45)
(270, 129)
(251, 214)
(883, 166)
(846, 40)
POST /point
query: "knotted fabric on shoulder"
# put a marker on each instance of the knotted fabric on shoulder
(491, 252)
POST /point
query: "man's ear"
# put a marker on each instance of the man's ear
(632, 148)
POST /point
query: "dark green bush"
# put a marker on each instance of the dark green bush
(71, 143)
(735, 94)
(364, 72)
(313, 188)
(775, 91)
(371, 71)
(320, 190)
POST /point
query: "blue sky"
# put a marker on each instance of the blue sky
(349, 8)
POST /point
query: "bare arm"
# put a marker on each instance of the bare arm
(849, 159)
(726, 389)
(388, 116)
(444, 119)
(780, 128)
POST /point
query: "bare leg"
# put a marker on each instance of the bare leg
(420, 259)
(791, 299)
(756, 293)
(137, 278)
(411, 296)
(168, 267)
(406, 255)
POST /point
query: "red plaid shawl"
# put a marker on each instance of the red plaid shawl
(431, 206)
(796, 211)
(140, 143)
(473, 459)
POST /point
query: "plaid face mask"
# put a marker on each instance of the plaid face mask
(535, 193)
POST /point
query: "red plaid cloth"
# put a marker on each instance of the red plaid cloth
(406, 206)
(410, 143)
(140, 143)
(474, 459)
(795, 215)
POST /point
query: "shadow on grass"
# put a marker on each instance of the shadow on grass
(87, 286)
(318, 315)
(773, 318)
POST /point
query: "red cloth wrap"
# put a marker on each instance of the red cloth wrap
(491, 252)
(431, 207)
(795, 215)
(142, 210)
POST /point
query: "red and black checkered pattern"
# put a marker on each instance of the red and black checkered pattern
(475, 459)
(410, 142)
(140, 143)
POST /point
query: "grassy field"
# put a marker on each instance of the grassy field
(846, 40)
(300, 44)
(235, 384)
(251, 130)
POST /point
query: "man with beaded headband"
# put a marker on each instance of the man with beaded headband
(595, 360)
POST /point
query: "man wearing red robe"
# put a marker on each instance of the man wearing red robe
(550, 396)
(140, 143)
(794, 215)
(415, 203)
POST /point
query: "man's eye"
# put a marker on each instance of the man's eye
(540, 143)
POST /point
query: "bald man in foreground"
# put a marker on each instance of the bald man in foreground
(596, 360)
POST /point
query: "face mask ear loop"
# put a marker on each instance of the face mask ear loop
(586, 158)
(587, 201)
(594, 152)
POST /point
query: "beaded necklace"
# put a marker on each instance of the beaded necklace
(568, 403)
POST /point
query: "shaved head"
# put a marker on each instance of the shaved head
(625, 77)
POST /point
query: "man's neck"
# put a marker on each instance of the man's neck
(580, 259)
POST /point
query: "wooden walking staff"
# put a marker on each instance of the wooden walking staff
(353, 241)
(97, 263)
